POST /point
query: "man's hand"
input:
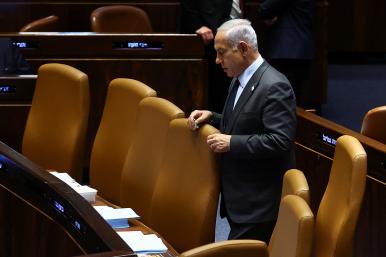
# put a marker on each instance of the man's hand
(219, 143)
(199, 117)
(271, 21)
(206, 34)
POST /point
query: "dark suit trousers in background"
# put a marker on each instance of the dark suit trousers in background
(259, 231)
(297, 72)
(218, 82)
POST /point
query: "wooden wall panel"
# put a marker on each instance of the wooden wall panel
(357, 26)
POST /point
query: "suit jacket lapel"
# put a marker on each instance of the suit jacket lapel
(226, 101)
(252, 84)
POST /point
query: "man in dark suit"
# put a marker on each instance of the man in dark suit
(11, 60)
(203, 17)
(257, 127)
(288, 41)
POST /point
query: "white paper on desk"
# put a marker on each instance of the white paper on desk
(87, 192)
(63, 176)
(117, 218)
(116, 213)
(141, 243)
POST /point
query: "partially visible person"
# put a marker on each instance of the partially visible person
(203, 17)
(11, 60)
(289, 45)
(257, 130)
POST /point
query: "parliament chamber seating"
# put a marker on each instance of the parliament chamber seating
(141, 168)
(340, 205)
(49, 23)
(293, 236)
(295, 183)
(120, 19)
(374, 124)
(185, 198)
(115, 134)
(55, 132)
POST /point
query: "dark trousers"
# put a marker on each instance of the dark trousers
(259, 231)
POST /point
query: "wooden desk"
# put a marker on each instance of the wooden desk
(137, 225)
(15, 101)
(42, 217)
(161, 61)
(74, 15)
(314, 154)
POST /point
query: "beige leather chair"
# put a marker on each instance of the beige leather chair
(55, 132)
(374, 124)
(294, 233)
(120, 19)
(295, 183)
(114, 135)
(49, 23)
(184, 203)
(339, 209)
(142, 164)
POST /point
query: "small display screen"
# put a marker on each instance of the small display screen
(5, 89)
(25, 44)
(325, 138)
(59, 207)
(77, 225)
(2, 166)
(138, 45)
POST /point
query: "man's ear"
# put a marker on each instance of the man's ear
(243, 48)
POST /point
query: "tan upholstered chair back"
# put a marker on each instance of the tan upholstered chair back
(293, 230)
(120, 19)
(186, 194)
(294, 183)
(55, 132)
(339, 209)
(115, 134)
(142, 164)
(294, 227)
(49, 23)
(374, 124)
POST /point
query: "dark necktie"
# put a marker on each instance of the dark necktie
(231, 100)
(241, 4)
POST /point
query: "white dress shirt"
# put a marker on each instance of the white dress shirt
(246, 76)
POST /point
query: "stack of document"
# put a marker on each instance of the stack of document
(141, 243)
(87, 192)
(117, 218)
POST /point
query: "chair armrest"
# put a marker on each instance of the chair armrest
(234, 248)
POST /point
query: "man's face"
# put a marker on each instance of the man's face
(231, 60)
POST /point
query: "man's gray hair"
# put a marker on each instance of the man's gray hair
(237, 30)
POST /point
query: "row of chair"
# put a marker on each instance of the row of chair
(105, 19)
(295, 234)
(144, 155)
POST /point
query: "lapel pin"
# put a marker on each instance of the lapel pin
(253, 88)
